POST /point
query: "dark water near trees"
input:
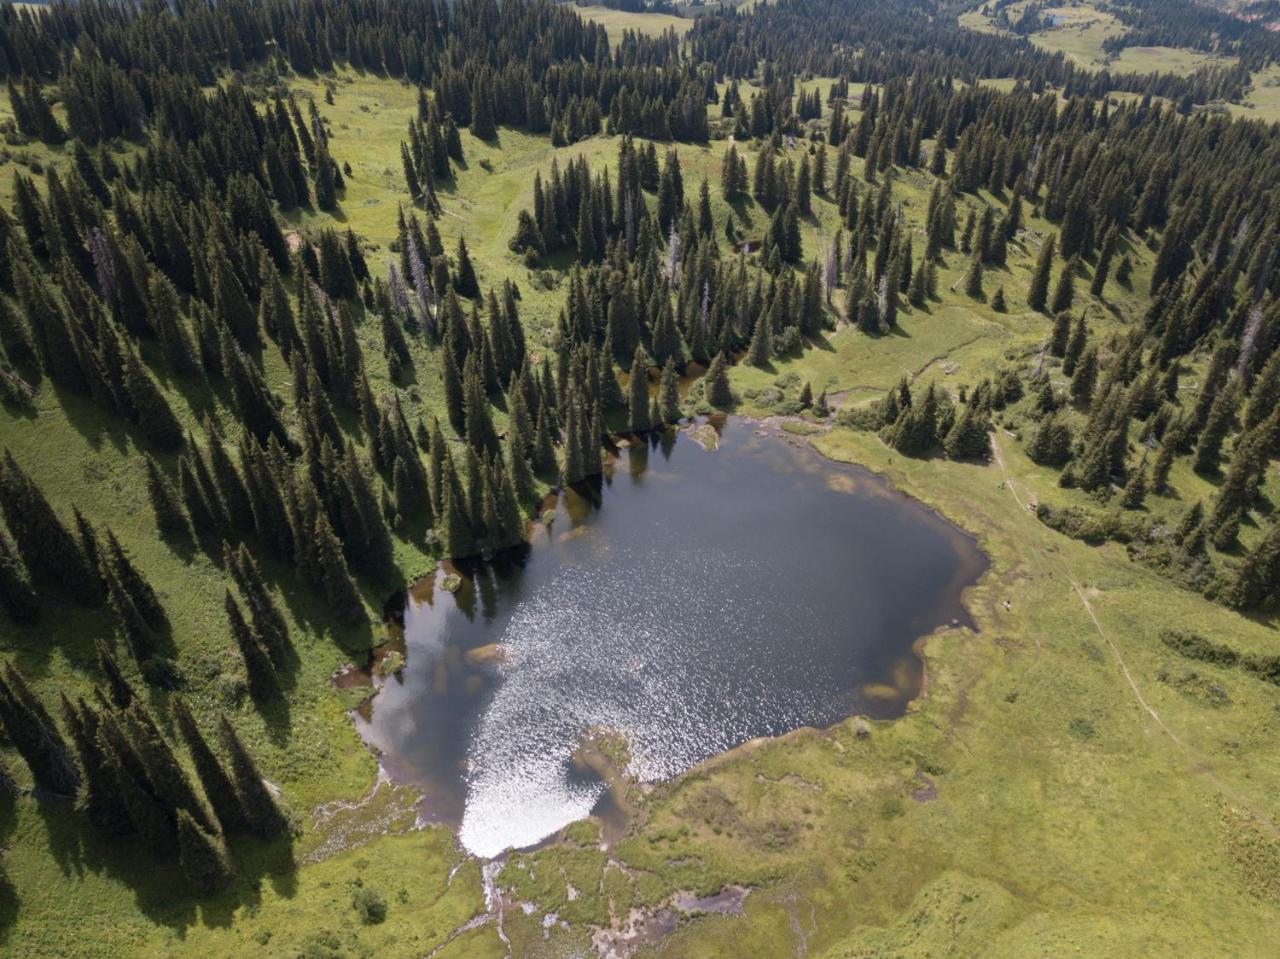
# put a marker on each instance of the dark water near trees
(705, 598)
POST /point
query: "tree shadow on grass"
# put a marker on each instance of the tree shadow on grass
(9, 899)
(820, 341)
(337, 213)
(20, 410)
(10, 903)
(161, 892)
(742, 207)
(94, 424)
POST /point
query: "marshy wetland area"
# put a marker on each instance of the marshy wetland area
(508, 479)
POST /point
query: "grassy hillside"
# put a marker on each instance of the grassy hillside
(618, 22)
(1078, 31)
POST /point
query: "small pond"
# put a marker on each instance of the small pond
(695, 599)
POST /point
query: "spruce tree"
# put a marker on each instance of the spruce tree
(760, 349)
(717, 390)
(1086, 375)
(47, 548)
(151, 410)
(1104, 262)
(1221, 417)
(32, 732)
(1051, 446)
(1257, 580)
(915, 431)
(141, 637)
(1243, 479)
(1264, 396)
(335, 578)
(119, 691)
(455, 526)
(518, 468)
(268, 621)
(141, 593)
(1064, 292)
(203, 858)
(1135, 491)
(454, 401)
(168, 780)
(611, 397)
(171, 516)
(1163, 464)
(967, 438)
(480, 433)
(1192, 520)
(103, 803)
(145, 813)
(1075, 345)
(669, 393)
(260, 671)
(1038, 291)
(638, 395)
(1060, 335)
(261, 811)
(1124, 270)
(17, 595)
(973, 276)
(544, 452)
(325, 175)
(216, 783)
(575, 466)
(464, 278)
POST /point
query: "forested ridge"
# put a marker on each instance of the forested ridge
(269, 374)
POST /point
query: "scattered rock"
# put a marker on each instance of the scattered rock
(391, 663)
(705, 436)
(488, 654)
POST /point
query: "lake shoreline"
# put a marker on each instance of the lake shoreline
(620, 782)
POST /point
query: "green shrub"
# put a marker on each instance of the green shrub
(1089, 527)
(1194, 646)
(369, 905)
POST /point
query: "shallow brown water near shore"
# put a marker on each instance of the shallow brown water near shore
(694, 600)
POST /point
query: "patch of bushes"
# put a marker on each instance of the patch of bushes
(1083, 728)
(867, 418)
(1193, 571)
(369, 905)
(1194, 646)
(1090, 527)
(1200, 688)
(787, 343)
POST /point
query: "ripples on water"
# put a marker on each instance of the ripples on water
(752, 598)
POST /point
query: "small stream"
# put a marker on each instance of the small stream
(694, 600)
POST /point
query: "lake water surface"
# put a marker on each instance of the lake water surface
(699, 599)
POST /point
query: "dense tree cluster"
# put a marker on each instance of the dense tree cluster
(126, 777)
(867, 41)
(535, 65)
